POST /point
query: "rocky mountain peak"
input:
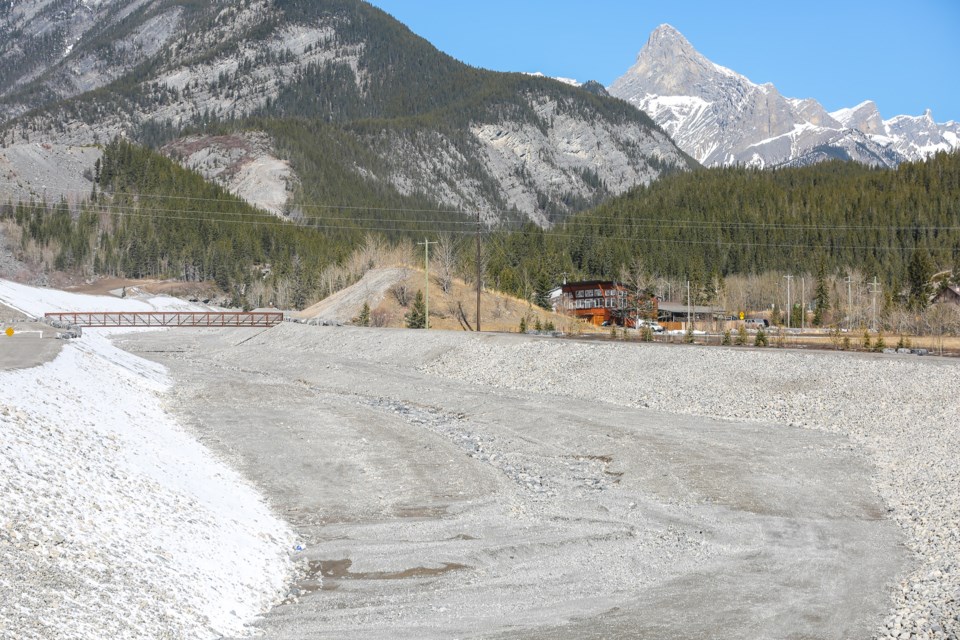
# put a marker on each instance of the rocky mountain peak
(722, 118)
(864, 117)
(665, 39)
(668, 64)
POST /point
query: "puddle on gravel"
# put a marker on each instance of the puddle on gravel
(324, 575)
(420, 511)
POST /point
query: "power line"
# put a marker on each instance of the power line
(629, 224)
(316, 225)
(574, 219)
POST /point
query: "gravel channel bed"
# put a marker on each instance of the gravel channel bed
(903, 411)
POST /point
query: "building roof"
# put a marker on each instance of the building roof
(592, 283)
(680, 307)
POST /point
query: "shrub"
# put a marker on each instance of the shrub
(741, 338)
(727, 338)
(879, 344)
(380, 318)
(761, 339)
(401, 291)
(363, 320)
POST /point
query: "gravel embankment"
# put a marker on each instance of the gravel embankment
(901, 410)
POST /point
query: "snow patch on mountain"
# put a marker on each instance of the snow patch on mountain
(569, 81)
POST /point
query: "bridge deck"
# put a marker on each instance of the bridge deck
(168, 318)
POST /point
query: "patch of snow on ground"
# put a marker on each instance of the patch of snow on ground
(114, 521)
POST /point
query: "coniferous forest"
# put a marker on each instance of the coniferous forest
(717, 222)
(148, 217)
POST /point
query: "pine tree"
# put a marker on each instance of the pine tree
(821, 297)
(879, 344)
(919, 272)
(417, 317)
(363, 320)
(741, 338)
(761, 339)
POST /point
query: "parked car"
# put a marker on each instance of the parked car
(654, 326)
(756, 323)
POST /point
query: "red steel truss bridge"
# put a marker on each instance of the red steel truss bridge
(166, 318)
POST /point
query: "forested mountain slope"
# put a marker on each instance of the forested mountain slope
(397, 118)
(715, 222)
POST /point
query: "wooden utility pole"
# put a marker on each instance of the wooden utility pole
(875, 289)
(803, 304)
(426, 269)
(479, 279)
(849, 303)
(789, 306)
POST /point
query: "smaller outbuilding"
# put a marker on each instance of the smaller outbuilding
(949, 294)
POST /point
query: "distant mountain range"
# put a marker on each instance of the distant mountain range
(299, 103)
(293, 104)
(721, 118)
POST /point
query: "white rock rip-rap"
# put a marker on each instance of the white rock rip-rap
(114, 522)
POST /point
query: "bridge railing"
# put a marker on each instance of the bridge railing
(165, 318)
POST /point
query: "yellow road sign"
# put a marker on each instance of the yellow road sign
(741, 315)
(9, 331)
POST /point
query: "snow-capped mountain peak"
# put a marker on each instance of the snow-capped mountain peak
(720, 117)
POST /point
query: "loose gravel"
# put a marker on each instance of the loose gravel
(900, 410)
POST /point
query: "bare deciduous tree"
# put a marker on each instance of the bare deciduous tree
(940, 320)
(402, 291)
(445, 256)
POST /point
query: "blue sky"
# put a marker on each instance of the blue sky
(903, 55)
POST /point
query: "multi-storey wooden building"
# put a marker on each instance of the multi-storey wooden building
(602, 302)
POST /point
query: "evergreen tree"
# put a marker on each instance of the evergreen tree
(821, 297)
(417, 316)
(919, 272)
(879, 344)
(761, 339)
(741, 338)
(363, 320)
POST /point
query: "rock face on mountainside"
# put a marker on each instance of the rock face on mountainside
(243, 163)
(721, 118)
(206, 80)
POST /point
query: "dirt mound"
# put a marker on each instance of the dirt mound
(454, 309)
(346, 304)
